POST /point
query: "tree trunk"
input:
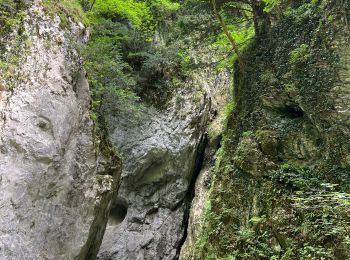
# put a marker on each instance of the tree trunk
(229, 35)
(261, 20)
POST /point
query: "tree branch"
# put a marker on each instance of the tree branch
(229, 35)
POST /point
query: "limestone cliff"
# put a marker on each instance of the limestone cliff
(55, 185)
(259, 173)
(163, 154)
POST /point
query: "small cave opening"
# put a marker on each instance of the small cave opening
(291, 110)
(117, 214)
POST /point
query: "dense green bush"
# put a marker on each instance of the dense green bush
(321, 210)
(112, 85)
(127, 58)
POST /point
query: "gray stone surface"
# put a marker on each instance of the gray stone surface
(50, 199)
(219, 94)
(159, 156)
(159, 153)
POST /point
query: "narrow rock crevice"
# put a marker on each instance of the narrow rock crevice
(200, 155)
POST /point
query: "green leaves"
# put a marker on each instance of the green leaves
(137, 13)
(164, 5)
(304, 56)
(270, 5)
(142, 15)
(112, 86)
(321, 209)
(299, 55)
(295, 178)
(122, 62)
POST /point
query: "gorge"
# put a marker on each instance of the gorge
(174, 129)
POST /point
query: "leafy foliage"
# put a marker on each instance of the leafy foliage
(122, 63)
(322, 209)
(151, 41)
(137, 13)
(112, 86)
(308, 36)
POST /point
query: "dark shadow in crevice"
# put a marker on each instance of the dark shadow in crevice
(200, 153)
(291, 110)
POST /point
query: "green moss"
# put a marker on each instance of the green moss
(64, 20)
(185, 62)
(299, 54)
(268, 142)
(66, 9)
(228, 110)
(11, 35)
(296, 211)
(247, 157)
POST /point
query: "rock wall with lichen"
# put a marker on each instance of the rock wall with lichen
(281, 182)
(55, 184)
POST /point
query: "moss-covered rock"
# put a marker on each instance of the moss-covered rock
(249, 157)
(293, 115)
(268, 142)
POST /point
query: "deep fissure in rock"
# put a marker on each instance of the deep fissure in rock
(200, 154)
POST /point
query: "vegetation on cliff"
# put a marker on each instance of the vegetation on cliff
(280, 187)
(122, 61)
(12, 38)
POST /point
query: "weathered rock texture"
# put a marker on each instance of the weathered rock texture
(220, 96)
(198, 203)
(53, 205)
(161, 155)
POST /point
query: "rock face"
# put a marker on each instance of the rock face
(162, 153)
(285, 151)
(159, 159)
(53, 204)
(219, 94)
(198, 204)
